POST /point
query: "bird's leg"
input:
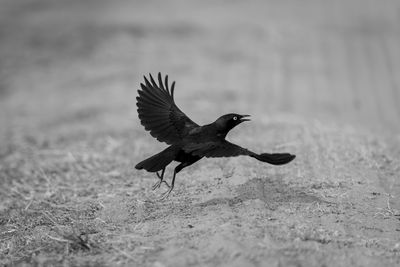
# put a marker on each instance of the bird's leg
(162, 174)
(166, 194)
(161, 177)
(176, 170)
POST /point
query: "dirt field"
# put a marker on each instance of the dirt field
(320, 79)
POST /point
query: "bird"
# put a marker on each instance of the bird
(188, 142)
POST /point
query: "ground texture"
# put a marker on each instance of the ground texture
(319, 78)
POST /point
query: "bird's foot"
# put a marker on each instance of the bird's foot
(166, 194)
(159, 176)
(158, 184)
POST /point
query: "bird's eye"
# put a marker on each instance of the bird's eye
(235, 118)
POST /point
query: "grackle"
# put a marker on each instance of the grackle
(188, 141)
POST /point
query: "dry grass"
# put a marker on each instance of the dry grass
(62, 207)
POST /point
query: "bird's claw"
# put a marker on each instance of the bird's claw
(158, 184)
(165, 195)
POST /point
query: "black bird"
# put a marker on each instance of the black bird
(188, 141)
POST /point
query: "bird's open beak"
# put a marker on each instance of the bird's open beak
(244, 118)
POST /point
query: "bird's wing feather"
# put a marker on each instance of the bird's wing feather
(216, 149)
(158, 112)
(227, 149)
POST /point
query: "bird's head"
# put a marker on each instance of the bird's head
(227, 122)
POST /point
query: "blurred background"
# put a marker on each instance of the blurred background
(76, 65)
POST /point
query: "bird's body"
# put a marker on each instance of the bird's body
(188, 141)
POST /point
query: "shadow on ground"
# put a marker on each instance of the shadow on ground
(270, 191)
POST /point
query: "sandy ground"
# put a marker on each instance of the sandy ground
(320, 80)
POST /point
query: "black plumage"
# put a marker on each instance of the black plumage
(188, 141)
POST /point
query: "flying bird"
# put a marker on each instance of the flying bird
(188, 142)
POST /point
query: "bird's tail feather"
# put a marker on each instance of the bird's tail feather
(158, 161)
(276, 158)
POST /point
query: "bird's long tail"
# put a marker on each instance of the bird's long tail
(275, 159)
(158, 161)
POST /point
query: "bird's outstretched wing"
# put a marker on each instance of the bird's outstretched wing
(216, 149)
(158, 112)
(227, 149)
